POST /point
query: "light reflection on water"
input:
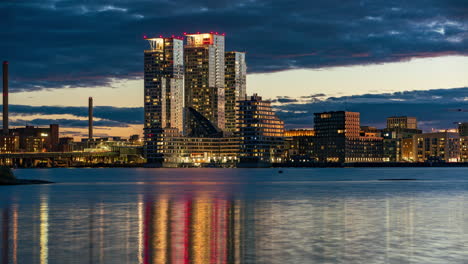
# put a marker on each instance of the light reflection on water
(236, 216)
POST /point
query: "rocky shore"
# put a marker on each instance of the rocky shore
(8, 178)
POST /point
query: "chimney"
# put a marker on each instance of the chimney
(90, 118)
(5, 98)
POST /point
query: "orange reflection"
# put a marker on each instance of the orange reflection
(200, 230)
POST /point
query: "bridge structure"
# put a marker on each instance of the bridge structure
(64, 159)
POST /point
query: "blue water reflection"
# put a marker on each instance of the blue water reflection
(236, 216)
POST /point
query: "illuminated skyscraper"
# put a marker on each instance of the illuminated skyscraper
(164, 92)
(204, 76)
(236, 75)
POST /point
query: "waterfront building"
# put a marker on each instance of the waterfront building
(407, 149)
(235, 78)
(464, 148)
(9, 144)
(438, 146)
(205, 76)
(37, 139)
(200, 151)
(260, 130)
(299, 145)
(66, 144)
(203, 145)
(338, 139)
(398, 128)
(163, 92)
(463, 129)
(402, 122)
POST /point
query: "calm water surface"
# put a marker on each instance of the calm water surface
(209, 216)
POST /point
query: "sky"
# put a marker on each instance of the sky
(379, 57)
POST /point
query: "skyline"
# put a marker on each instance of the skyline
(334, 65)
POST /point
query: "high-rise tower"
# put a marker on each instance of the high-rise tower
(164, 92)
(204, 76)
(235, 78)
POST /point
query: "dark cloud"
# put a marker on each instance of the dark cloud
(283, 100)
(124, 115)
(67, 123)
(80, 43)
(434, 108)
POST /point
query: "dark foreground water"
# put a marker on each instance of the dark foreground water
(236, 216)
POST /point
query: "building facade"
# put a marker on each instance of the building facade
(164, 92)
(205, 76)
(402, 122)
(437, 147)
(338, 139)
(407, 150)
(463, 129)
(398, 128)
(199, 152)
(260, 131)
(464, 148)
(9, 144)
(37, 139)
(299, 144)
(236, 82)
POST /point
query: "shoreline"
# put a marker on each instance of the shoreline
(283, 165)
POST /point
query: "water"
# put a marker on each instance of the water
(236, 216)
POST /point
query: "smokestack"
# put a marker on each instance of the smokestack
(5, 98)
(90, 118)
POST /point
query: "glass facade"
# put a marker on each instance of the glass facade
(204, 76)
(236, 79)
(164, 92)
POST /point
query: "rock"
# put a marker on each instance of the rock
(8, 178)
(6, 175)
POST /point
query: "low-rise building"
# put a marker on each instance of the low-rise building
(439, 146)
(9, 144)
(299, 145)
(37, 139)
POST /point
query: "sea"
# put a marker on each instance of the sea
(210, 215)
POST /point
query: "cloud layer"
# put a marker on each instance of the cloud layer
(110, 116)
(77, 43)
(434, 109)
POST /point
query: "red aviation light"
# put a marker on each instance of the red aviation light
(216, 33)
(145, 37)
(185, 33)
(198, 32)
(160, 36)
(172, 36)
(224, 34)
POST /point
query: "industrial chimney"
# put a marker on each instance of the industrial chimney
(5, 98)
(90, 118)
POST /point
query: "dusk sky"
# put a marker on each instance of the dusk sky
(379, 57)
